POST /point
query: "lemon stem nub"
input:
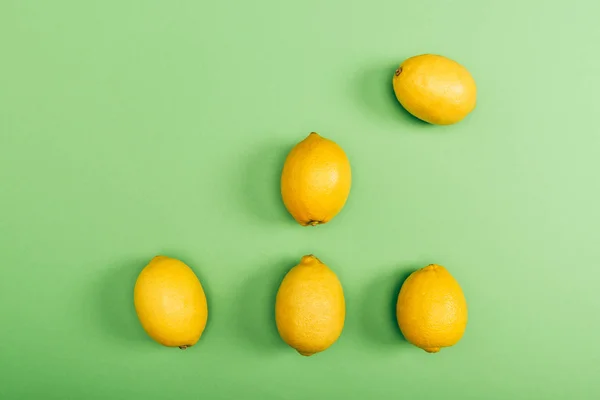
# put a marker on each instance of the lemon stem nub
(432, 349)
(185, 346)
(398, 71)
(314, 223)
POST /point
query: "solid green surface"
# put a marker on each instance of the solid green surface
(135, 128)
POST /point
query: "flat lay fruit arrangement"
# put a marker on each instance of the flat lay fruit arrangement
(309, 200)
(315, 183)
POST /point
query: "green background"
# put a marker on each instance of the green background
(135, 128)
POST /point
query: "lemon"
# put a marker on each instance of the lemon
(310, 307)
(431, 309)
(316, 180)
(170, 303)
(435, 89)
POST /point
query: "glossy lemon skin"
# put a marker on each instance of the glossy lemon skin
(435, 89)
(170, 302)
(310, 308)
(432, 309)
(316, 180)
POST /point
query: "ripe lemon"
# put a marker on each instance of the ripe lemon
(435, 89)
(310, 307)
(316, 180)
(431, 309)
(170, 303)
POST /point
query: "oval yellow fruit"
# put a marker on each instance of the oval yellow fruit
(310, 307)
(316, 180)
(435, 89)
(170, 302)
(431, 309)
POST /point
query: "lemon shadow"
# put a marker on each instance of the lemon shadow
(259, 183)
(115, 311)
(375, 94)
(378, 307)
(255, 314)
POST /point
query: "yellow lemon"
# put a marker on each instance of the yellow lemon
(431, 309)
(435, 89)
(170, 303)
(310, 307)
(316, 180)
